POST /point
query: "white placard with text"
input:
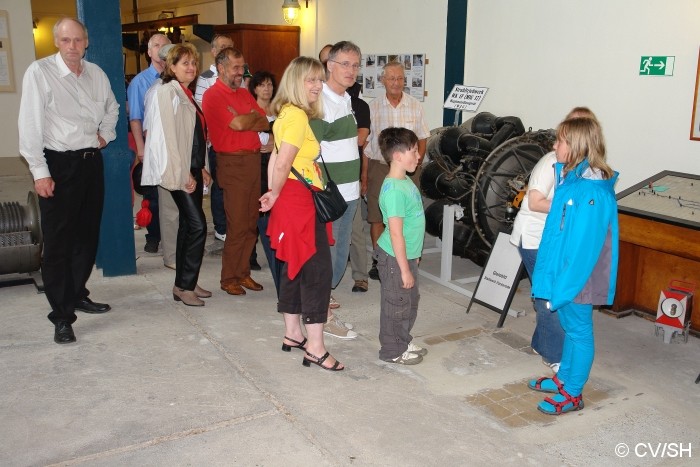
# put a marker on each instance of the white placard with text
(500, 273)
(466, 98)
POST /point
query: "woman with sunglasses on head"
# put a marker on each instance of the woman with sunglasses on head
(301, 241)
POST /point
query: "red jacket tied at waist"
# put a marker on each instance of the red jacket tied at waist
(292, 226)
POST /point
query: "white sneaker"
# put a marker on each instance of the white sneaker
(219, 236)
(408, 358)
(417, 349)
(339, 322)
(335, 328)
(553, 366)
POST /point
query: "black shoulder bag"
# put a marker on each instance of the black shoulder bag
(330, 204)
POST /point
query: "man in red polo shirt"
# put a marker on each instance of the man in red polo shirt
(234, 119)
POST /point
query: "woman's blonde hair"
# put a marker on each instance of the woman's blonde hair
(291, 89)
(580, 112)
(585, 139)
(175, 54)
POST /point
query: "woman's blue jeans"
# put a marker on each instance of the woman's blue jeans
(548, 338)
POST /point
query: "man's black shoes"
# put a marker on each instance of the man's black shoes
(151, 246)
(64, 333)
(88, 306)
(373, 272)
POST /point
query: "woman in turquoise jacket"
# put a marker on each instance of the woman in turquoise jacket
(577, 261)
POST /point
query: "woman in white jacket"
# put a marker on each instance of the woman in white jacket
(176, 149)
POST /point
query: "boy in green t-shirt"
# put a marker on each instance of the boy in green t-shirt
(399, 248)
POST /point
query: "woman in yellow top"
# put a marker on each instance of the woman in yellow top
(300, 240)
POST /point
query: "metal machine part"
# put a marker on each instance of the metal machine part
(486, 172)
(20, 236)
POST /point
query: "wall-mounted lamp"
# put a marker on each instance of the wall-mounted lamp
(166, 14)
(35, 23)
(290, 10)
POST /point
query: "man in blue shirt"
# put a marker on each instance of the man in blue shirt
(136, 93)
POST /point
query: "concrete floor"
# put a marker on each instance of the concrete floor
(154, 382)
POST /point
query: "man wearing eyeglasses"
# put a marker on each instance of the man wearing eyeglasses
(395, 109)
(337, 133)
(358, 243)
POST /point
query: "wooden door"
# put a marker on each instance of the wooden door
(265, 47)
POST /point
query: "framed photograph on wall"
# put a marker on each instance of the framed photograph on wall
(695, 122)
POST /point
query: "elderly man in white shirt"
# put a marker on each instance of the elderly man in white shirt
(67, 114)
(395, 109)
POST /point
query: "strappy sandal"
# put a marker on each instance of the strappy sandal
(560, 403)
(319, 361)
(543, 384)
(288, 348)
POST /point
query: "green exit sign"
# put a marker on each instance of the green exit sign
(651, 65)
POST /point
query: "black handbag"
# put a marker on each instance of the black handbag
(330, 204)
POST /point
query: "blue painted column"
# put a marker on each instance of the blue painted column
(455, 49)
(116, 251)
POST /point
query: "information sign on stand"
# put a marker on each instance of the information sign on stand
(497, 284)
(465, 98)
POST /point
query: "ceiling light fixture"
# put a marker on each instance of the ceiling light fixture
(291, 10)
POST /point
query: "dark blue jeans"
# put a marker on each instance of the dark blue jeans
(274, 263)
(153, 229)
(548, 338)
(217, 197)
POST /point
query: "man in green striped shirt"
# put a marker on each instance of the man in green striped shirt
(337, 133)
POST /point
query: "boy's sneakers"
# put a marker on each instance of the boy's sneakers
(417, 350)
(337, 328)
(407, 358)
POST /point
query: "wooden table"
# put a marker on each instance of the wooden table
(656, 248)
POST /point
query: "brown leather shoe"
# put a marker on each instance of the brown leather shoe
(188, 297)
(201, 293)
(250, 284)
(233, 289)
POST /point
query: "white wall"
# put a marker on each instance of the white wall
(20, 24)
(415, 26)
(540, 58)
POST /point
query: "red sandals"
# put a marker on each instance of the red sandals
(560, 403)
(544, 384)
